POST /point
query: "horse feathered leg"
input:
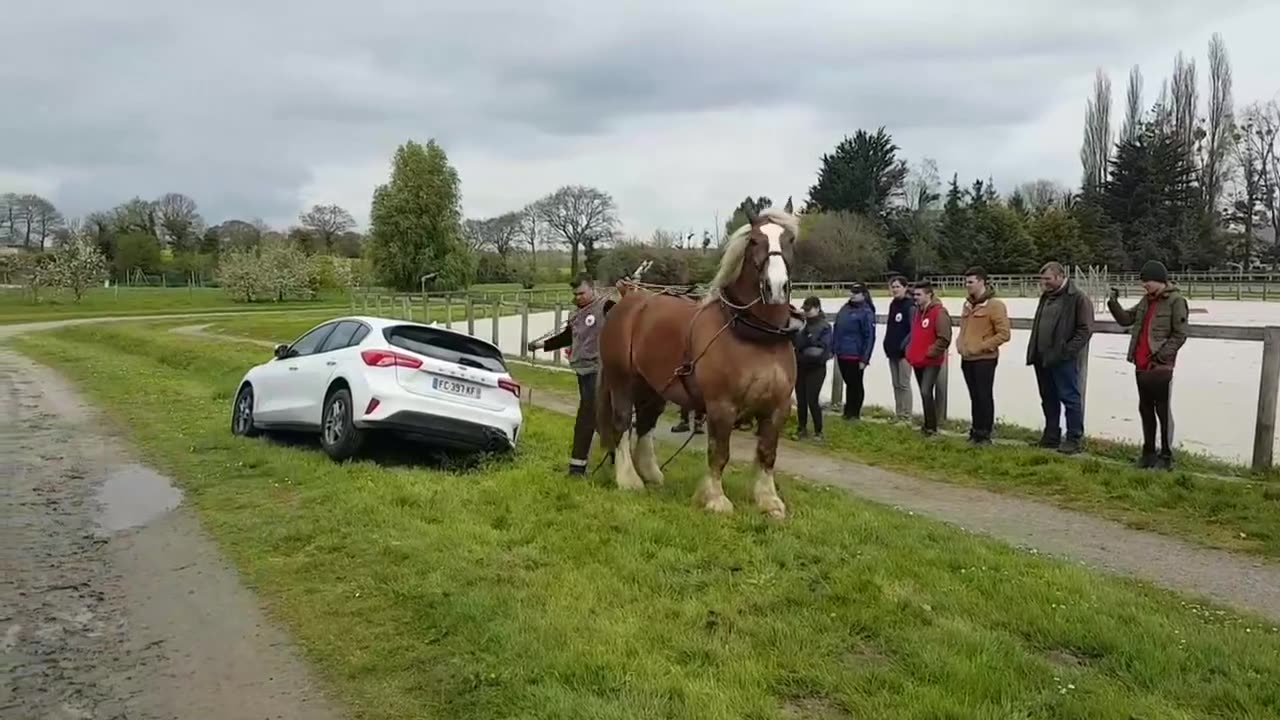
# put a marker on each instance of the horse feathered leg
(766, 491)
(649, 406)
(719, 431)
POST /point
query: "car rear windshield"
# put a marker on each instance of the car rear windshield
(446, 346)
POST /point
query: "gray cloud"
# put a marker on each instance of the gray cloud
(241, 103)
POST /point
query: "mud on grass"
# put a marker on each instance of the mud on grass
(510, 590)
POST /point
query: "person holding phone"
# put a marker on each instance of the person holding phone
(1158, 330)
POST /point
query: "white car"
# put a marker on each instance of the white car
(352, 375)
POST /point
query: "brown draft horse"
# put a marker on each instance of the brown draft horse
(730, 354)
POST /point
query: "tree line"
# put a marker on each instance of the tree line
(1189, 180)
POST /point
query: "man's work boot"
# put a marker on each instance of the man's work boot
(1070, 446)
(680, 427)
(1049, 441)
(1147, 461)
(1164, 462)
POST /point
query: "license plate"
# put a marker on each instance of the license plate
(453, 387)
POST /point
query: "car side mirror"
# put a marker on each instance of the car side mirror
(282, 351)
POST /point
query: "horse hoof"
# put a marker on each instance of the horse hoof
(774, 508)
(719, 505)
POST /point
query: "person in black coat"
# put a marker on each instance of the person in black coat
(813, 352)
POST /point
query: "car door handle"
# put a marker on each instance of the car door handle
(331, 363)
(293, 367)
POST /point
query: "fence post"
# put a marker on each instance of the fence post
(940, 391)
(497, 313)
(1082, 369)
(426, 308)
(837, 387)
(448, 311)
(524, 331)
(555, 356)
(471, 316)
(1264, 431)
(406, 308)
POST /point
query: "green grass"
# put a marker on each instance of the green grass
(16, 306)
(512, 591)
(1192, 503)
(1229, 514)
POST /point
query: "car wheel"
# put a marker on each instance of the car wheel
(242, 414)
(339, 436)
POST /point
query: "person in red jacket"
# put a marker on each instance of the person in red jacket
(927, 349)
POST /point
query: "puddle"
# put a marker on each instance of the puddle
(132, 496)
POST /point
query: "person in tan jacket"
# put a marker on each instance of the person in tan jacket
(984, 327)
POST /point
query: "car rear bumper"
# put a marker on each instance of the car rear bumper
(445, 432)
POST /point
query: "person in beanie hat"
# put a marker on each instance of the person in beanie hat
(1158, 329)
(582, 335)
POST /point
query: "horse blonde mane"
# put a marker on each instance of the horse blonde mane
(735, 248)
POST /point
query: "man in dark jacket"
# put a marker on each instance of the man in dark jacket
(1158, 329)
(1060, 332)
(813, 352)
(854, 340)
(897, 334)
(582, 335)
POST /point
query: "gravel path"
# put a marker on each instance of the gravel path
(113, 602)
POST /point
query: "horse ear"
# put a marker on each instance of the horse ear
(788, 208)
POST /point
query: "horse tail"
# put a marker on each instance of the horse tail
(604, 414)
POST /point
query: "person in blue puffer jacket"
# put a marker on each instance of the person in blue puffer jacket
(854, 342)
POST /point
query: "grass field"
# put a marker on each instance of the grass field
(16, 306)
(1238, 514)
(509, 590)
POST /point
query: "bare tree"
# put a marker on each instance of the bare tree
(665, 239)
(137, 216)
(8, 219)
(501, 234)
(580, 216)
(1219, 131)
(1264, 130)
(1184, 99)
(1042, 194)
(178, 221)
(924, 186)
(46, 221)
(1248, 207)
(1096, 150)
(1133, 109)
(326, 223)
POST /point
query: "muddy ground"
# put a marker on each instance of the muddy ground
(113, 602)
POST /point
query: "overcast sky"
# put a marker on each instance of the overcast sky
(259, 109)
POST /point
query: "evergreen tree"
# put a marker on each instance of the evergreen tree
(862, 175)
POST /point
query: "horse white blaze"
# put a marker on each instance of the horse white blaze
(775, 268)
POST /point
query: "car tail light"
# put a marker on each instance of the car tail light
(387, 358)
(510, 386)
(373, 405)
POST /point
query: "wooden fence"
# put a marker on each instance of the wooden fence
(1264, 429)
(456, 307)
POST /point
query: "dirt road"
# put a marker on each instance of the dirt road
(113, 602)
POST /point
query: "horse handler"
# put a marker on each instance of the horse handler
(582, 336)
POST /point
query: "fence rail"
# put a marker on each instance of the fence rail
(1264, 430)
(492, 305)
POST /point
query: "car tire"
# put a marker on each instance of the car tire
(242, 414)
(339, 436)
